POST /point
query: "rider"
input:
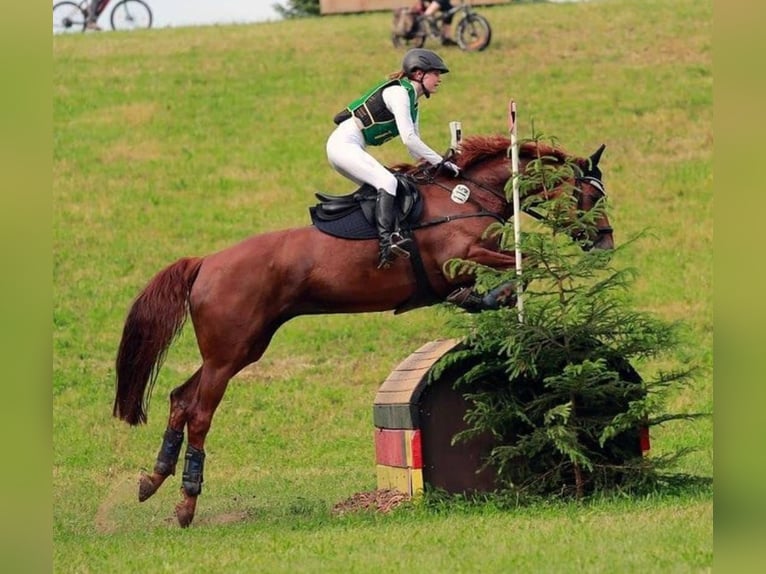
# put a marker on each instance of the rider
(431, 7)
(388, 109)
(92, 19)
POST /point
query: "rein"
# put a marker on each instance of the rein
(425, 176)
(429, 179)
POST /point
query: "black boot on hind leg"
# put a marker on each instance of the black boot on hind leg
(165, 466)
(191, 486)
(392, 244)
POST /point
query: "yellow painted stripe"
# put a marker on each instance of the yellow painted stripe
(408, 434)
(406, 480)
(393, 477)
(416, 482)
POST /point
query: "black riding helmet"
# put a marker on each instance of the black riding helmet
(424, 60)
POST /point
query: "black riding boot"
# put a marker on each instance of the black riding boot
(392, 244)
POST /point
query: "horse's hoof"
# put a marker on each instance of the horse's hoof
(146, 487)
(184, 514)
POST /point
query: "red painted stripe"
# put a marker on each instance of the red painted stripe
(417, 450)
(389, 447)
(643, 433)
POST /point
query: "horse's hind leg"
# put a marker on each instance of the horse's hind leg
(212, 385)
(172, 440)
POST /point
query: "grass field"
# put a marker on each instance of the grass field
(181, 142)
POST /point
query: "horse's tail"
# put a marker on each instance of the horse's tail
(154, 320)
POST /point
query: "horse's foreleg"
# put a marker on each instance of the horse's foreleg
(470, 299)
(172, 440)
(500, 260)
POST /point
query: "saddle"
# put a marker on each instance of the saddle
(352, 216)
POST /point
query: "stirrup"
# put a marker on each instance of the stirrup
(397, 245)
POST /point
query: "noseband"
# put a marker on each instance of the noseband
(599, 185)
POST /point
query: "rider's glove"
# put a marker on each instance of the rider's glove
(452, 168)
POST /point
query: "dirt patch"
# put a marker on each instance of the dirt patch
(122, 491)
(122, 495)
(383, 500)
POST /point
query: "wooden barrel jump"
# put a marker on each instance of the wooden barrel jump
(415, 422)
(414, 425)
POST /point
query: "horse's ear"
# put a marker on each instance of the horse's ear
(593, 170)
(596, 157)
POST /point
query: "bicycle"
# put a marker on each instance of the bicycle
(411, 28)
(70, 17)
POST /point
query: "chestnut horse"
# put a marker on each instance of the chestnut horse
(238, 297)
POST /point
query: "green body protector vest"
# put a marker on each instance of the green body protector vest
(378, 123)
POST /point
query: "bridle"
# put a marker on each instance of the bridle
(426, 175)
(596, 183)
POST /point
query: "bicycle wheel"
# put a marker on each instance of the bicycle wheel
(473, 33)
(131, 15)
(68, 18)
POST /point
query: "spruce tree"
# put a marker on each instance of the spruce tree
(297, 8)
(557, 390)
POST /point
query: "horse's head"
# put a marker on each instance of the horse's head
(486, 166)
(590, 191)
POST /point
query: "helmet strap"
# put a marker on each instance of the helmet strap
(425, 90)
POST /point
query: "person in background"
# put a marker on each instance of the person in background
(92, 16)
(388, 109)
(431, 7)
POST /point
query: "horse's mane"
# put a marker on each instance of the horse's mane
(475, 149)
(478, 148)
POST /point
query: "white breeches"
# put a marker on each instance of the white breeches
(346, 154)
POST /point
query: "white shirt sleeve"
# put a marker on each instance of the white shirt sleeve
(398, 102)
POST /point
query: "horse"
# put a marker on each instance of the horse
(238, 297)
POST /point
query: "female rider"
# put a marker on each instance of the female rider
(388, 109)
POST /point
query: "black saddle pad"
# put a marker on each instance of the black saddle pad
(352, 216)
(351, 225)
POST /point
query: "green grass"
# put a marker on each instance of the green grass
(183, 141)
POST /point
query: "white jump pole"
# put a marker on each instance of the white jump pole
(516, 206)
(456, 136)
